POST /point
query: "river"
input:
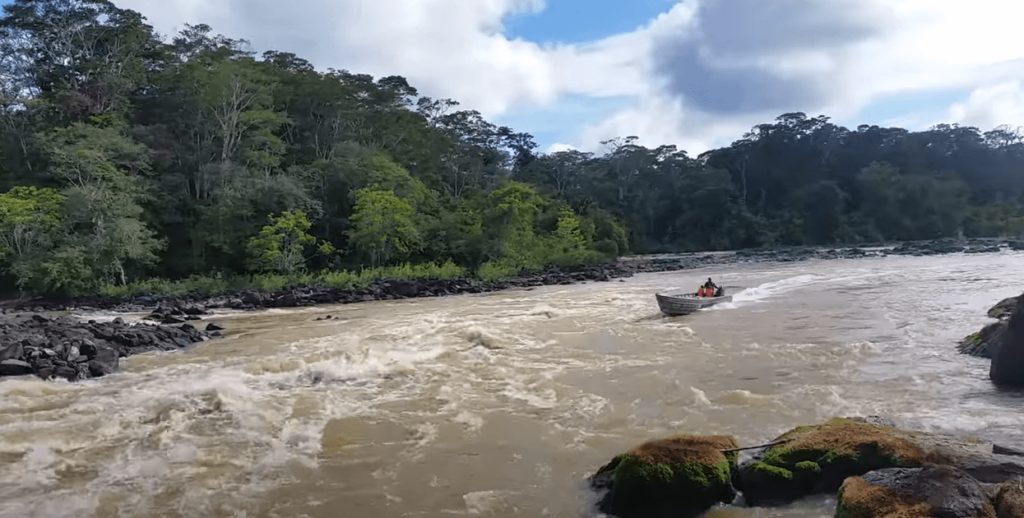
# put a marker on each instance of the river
(501, 404)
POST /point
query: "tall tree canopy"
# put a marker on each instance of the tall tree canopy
(124, 155)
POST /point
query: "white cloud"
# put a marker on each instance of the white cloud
(699, 81)
(991, 106)
(559, 146)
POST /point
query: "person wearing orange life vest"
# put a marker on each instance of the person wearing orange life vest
(709, 289)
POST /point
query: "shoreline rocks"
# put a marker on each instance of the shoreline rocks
(70, 349)
(395, 289)
(876, 469)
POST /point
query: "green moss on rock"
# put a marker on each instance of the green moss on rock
(819, 457)
(762, 467)
(808, 466)
(688, 473)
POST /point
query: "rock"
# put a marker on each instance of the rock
(677, 477)
(170, 320)
(930, 491)
(68, 348)
(983, 343)
(213, 327)
(816, 459)
(104, 363)
(66, 372)
(1007, 369)
(12, 352)
(1009, 499)
(14, 368)
(1003, 308)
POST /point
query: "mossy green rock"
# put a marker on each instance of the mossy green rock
(816, 459)
(680, 477)
(985, 342)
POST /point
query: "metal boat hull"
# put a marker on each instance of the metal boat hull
(686, 303)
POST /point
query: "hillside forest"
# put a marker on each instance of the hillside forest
(127, 156)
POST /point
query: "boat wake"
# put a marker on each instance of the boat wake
(767, 291)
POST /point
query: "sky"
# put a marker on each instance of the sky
(693, 73)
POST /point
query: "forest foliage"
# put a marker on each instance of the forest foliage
(127, 157)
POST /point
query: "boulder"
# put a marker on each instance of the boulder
(105, 362)
(1009, 499)
(677, 477)
(14, 368)
(1003, 308)
(816, 459)
(926, 492)
(1007, 369)
(983, 343)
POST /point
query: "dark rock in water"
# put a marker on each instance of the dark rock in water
(983, 343)
(930, 491)
(213, 327)
(170, 320)
(70, 349)
(14, 368)
(65, 372)
(1003, 308)
(105, 362)
(678, 477)
(1007, 367)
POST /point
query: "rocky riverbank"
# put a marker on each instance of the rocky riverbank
(877, 470)
(68, 348)
(392, 289)
(71, 349)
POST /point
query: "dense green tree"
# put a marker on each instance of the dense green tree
(383, 226)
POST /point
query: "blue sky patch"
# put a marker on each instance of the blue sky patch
(924, 103)
(580, 21)
(562, 120)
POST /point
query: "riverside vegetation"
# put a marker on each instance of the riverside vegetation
(135, 163)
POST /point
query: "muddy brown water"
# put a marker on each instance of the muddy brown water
(501, 404)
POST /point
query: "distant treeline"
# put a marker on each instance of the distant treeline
(124, 155)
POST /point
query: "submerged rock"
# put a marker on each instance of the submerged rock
(930, 491)
(677, 477)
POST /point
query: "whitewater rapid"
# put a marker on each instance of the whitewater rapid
(501, 404)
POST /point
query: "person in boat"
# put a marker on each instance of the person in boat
(708, 289)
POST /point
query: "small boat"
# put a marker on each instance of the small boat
(686, 303)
